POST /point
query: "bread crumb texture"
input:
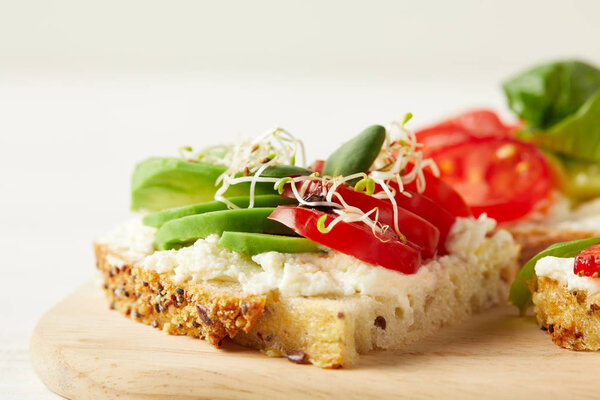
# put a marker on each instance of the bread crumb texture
(328, 331)
(571, 317)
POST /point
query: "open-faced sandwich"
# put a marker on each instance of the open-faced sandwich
(368, 250)
(540, 179)
(563, 284)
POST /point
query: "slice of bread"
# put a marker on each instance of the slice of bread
(533, 239)
(571, 317)
(325, 330)
(564, 222)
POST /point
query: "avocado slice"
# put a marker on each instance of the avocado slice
(159, 183)
(159, 218)
(256, 243)
(185, 231)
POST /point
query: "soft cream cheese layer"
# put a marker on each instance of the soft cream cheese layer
(561, 270)
(312, 274)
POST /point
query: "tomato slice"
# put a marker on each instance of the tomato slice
(427, 209)
(354, 239)
(461, 128)
(504, 178)
(416, 229)
(443, 194)
(587, 263)
(481, 123)
(317, 166)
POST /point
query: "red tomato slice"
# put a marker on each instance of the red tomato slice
(439, 137)
(354, 239)
(504, 178)
(460, 129)
(481, 123)
(317, 166)
(416, 229)
(443, 194)
(427, 209)
(587, 263)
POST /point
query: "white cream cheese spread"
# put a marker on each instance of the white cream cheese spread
(311, 274)
(561, 270)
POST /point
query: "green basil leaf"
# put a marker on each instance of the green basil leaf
(520, 295)
(578, 135)
(545, 95)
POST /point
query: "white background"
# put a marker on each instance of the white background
(89, 88)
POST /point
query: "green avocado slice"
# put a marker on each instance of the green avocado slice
(159, 183)
(256, 243)
(185, 231)
(159, 218)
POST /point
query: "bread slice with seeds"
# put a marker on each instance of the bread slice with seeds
(534, 239)
(278, 303)
(563, 223)
(571, 317)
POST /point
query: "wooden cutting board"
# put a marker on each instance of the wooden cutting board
(80, 349)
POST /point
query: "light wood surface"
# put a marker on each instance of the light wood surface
(81, 349)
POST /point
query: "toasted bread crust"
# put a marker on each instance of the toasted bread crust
(534, 239)
(302, 330)
(572, 318)
(202, 311)
(315, 331)
(328, 332)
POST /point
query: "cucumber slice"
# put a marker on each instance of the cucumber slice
(255, 243)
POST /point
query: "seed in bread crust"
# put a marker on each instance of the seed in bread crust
(154, 323)
(157, 307)
(340, 315)
(180, 291)
(203, 315)
(380, 322)
(297, 356)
